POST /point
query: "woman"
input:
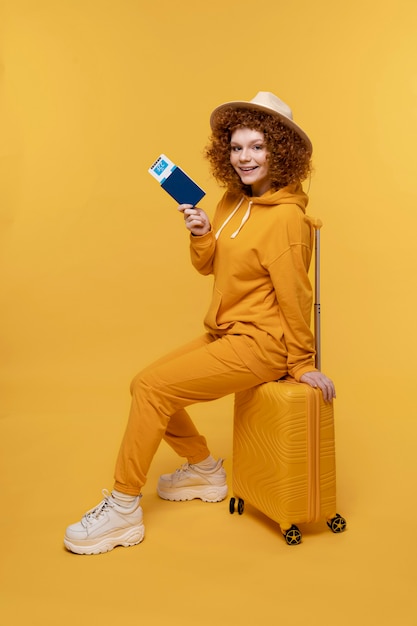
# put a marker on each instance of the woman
(258, 248)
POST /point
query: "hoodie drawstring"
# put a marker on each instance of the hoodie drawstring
(243, 222)
(244, 219)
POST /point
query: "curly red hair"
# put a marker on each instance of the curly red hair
(288, 155)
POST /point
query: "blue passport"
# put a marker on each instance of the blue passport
(175, 181)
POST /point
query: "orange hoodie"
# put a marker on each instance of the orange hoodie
(259, 250)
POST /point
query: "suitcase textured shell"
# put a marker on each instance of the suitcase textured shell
(284, 452)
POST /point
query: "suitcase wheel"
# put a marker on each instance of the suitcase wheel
(240, 505)
(337, 524)
(293, 536)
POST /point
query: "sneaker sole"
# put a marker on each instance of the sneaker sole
(126, 538)
(207, 494)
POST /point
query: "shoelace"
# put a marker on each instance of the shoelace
(189, 466)
(183, 469)
(94, 514)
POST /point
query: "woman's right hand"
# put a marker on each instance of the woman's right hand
(195, 219)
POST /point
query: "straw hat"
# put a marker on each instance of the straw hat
(268, 102)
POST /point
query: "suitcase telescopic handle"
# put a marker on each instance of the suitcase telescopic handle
(317, 321)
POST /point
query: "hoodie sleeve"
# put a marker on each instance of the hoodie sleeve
(203, 248)
(289, 275)
(202, 252)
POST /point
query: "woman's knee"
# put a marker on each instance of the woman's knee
(138, 383)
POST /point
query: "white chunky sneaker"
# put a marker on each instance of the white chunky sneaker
(191, 481)
(106, 526)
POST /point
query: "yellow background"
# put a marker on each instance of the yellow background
(96, 281)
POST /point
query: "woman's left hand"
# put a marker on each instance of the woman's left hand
(320, 380)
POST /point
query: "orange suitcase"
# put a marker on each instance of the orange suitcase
(284, 456)
(284, 449)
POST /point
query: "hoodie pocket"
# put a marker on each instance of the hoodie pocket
(214, 310)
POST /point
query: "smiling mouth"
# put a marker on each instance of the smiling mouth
(247, 169)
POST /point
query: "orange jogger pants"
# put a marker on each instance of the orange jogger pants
(205, 369)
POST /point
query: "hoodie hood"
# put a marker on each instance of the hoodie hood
(292, 194)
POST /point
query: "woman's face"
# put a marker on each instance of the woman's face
(249, 158)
